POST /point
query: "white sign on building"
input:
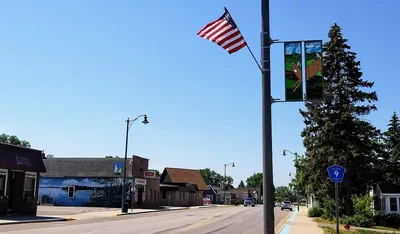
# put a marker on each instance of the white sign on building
(139, 181)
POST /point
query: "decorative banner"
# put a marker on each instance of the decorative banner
(313, 71)
(293, 71)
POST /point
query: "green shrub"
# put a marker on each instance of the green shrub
(329, 209)
(380, 219)
(359, 221)
(315, 212)
(235, 201)
(392, 220)
(330, 230)
(364, 215)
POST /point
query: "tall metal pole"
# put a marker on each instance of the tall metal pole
(268, 195)
(224, 183)
(337, 206)
(298, 200)
(132, 193)
(126, 157)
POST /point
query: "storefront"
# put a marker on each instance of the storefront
(19, 173)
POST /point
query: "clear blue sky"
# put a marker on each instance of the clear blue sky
(73, 71)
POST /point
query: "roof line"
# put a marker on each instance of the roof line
(181, 168)
(18, 146)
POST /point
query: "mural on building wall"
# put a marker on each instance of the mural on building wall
(88, 191)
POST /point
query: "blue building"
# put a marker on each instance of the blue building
(84, 181)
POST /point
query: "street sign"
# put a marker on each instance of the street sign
(336, 173)
(149, 174)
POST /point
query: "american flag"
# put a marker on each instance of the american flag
(224, 32)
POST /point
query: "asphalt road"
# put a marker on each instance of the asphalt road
(230, 220)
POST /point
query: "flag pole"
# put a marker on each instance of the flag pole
(247, 45)
(255, 60)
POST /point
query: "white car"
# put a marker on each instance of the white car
(249, 202)
(286, 205)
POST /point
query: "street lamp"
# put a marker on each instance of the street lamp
(291, 174)
(295, 154)
(225, 165)
(129, 123)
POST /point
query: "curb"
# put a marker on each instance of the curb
(282, 223)
(38, 221)
(204, 207)
(286, 226)
(151, 211)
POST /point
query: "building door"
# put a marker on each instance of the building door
(191, 199)
(16, 188)
(140, 195)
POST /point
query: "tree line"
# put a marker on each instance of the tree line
(14, 140)
(337, 131)
(212, 177)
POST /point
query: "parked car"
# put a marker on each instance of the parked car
(286, 205)
(249, 202)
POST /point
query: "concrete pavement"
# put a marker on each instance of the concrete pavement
(300, 223)
(246, 221)
(240, 220)
(52, 214)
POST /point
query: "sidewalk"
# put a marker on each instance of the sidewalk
(52, 214)
(300, 223)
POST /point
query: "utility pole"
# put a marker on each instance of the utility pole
(268, 195)
(225, 183)
(125, 159)
(129, 123)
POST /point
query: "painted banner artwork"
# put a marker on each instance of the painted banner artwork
(313, 70)
(293, 71)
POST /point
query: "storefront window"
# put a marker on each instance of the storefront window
(29, 190)
(3, 182)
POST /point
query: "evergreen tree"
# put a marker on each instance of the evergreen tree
(335, 132)
(241, 184)
(392, 147)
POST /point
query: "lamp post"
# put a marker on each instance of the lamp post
(225, 165)
(297, 191)
(295, 155)
(129, 123)
(296, 161)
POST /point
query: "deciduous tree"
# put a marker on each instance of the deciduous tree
(255, 180)
(211, 177)
(284, 193)
(14, 140)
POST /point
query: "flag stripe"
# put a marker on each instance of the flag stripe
(224, 33)
(220, 28)
(208, 28)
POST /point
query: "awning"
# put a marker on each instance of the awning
(20, 158)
